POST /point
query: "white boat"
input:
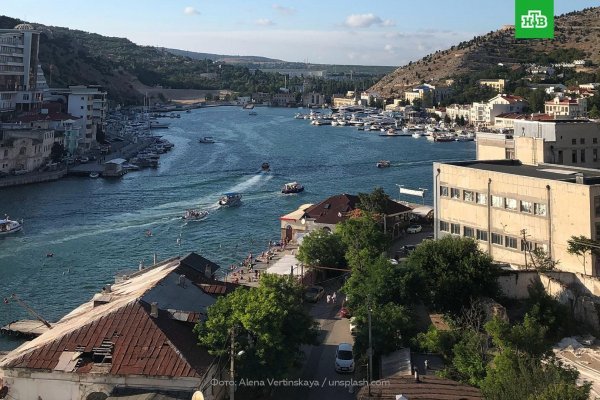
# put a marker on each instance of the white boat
(383, 164)
(194, 215)
(206, 139)
(230, 200)
(292, 187)
(94, 175)
(417, 135)
(8, 226)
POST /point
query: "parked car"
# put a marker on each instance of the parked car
(344, 358)
(314, 293)
(414, 229)
(345, 312)
(393, 261)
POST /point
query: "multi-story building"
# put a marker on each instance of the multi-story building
(496, 84)
(19, 69)
(484, 113)
(313, 99)
(283, 99)
(454, 111)
(566, 107)
(437, 93)
(511, 208)
(24, 149)
(65, 126)
(562, 142)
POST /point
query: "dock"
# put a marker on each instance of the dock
(25, 328)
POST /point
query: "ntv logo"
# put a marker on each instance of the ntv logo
(534, 20)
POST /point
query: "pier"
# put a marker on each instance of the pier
(26, 328)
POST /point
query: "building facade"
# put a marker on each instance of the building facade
(484, 113)
(24, 149)
(19, 69)
(511, 208)
(497, 84)
(566, 107)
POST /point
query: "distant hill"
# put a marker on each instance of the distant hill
(576, 34)
(220, 57)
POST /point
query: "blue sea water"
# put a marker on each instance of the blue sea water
(96, 227)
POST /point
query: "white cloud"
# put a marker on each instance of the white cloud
(389, 48)
(388, 22)
(264, 22)
(283, 9)
(362, 20)
(190, 11)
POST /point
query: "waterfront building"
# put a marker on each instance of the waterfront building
(65, 126)
(454, 111)
(261, 97)
(283, 99)
(335, 209)
(313, 99)
(437, 93)
(19, 69)
(511, 208)
(135, 334)
(566, 107)
(562, 142)
(24, 149)
(340, 101)
(497, 84)
(484, 113)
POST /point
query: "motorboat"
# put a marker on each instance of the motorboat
(383, 164)
(292, 187)
(444, 138)
(230, 200)
(94, 175)
(418, 135)
(206, 139)
(194, 214)
(8, 226)
(265, 167)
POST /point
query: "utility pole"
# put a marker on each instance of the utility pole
(232, 365)
(370, 351)
(525, 245)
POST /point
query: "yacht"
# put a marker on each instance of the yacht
(417, 135)
(230, 200)
(206, 139)
(292, 187)
(383, 164)
(194, 214)
(8, 226)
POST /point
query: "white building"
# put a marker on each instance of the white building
(566, 107)
(24, 149)
(19, 69)
(454, 111)
(484, 113)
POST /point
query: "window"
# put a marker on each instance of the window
(560, 157)
(455, 229)
(526, 246)
(597, 205)
(468, 196)
(444, 226)
(539, 209)
(526, 207)
(468, 232)
(582, 141)
(444, 191)
(573, 141)
(511, 242)
(594, 155)
(497, 239)
(510, 204)
(582, 152)
(574, 156)
(482, 235)
(481, 198)
(595, 140)
(455, 193)
(509, 154)
(497, 201)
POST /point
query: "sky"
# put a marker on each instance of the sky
(376, 32)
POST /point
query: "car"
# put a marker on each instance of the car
(314, 293)
(393, 261)
(344, 358)
(414, 229)
(345, 312)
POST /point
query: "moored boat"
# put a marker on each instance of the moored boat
(292, 187)
(8, 226)
(230, 200)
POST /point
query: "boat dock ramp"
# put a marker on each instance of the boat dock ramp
(25, 328)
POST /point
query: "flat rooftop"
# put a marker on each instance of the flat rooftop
(543, 171)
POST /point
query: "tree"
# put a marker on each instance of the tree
(447, 119)
(322, 248)
(594, 112)
(453, 272)
(528, 336)
(57, 152)
(470, 357)
(462, 121)
(363, 239)
(580, 246)
(270, 325)
(374, 202)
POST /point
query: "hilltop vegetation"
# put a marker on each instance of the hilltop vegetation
(576, 36)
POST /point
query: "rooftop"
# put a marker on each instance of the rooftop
(543, 171)
(429, 387)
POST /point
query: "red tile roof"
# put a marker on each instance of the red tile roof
(430, 387)
(56, 116)
(513, 99)
(137, 343)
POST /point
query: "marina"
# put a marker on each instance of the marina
(97, 227)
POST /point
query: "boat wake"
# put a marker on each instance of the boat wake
(255, 180)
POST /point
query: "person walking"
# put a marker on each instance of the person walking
(328, 299)
(333, 297)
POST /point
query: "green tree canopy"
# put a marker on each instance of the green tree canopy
(322, 248)
(57, 152)
(270, 326)
(453, 271)
(363, 238)
(374, 202)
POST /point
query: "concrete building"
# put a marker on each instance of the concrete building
(135, 334)
(454, 111)
(496, 84)
(562, 142)
(24, 149)
(566, 107)
(283, 99)
(511, 208)
(437, 93)
(483, 114)
(313, 99)
(19, 69)
(507, 120)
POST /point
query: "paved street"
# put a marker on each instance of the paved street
(320, 360)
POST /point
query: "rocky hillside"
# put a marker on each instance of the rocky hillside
(576, 33)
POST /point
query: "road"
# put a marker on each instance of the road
(320, 360)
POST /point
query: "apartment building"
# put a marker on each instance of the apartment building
(496, 84)
(566, 107)
(24, 149)
(19, 69)
(454, 111)
(437, 93)
(485, 113)
(313, 99)
(511, 208)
